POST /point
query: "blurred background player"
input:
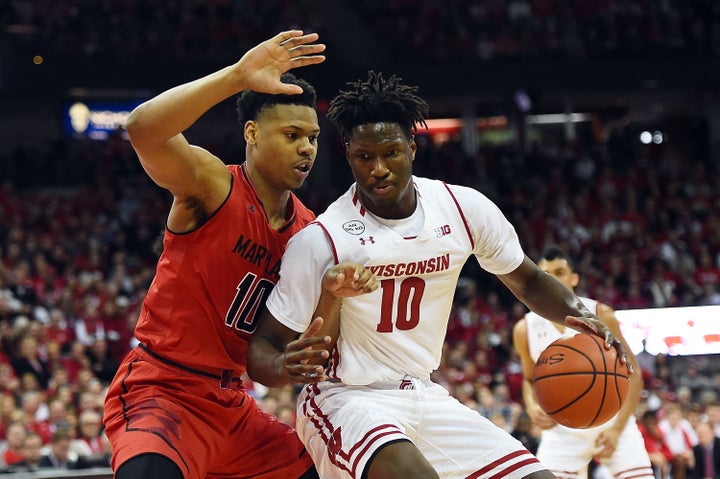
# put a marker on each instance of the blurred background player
(567, 452)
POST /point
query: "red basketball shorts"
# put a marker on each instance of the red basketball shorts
(153, 407)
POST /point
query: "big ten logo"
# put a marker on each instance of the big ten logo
(442, 230)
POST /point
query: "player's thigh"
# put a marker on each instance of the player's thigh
(630, 454)
(400, 459)
(343, 428)
(567, 451)
(460, 442)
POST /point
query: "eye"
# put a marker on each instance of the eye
(392, 153)
(291, 135)
(313, 138)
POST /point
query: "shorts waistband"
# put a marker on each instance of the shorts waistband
(225, 379)
(407, 382)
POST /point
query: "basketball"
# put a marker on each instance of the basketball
(579, 383)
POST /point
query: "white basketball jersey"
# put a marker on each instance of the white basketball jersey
(399, 329)
(541, 332)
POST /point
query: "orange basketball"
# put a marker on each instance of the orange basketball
(579, 383)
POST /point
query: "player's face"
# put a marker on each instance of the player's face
(561, 270)
(282, 145)
(380, 157)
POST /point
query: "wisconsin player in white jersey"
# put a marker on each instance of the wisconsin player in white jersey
(378, 414)
(617, 444)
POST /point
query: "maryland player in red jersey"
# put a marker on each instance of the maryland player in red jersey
(177, 407)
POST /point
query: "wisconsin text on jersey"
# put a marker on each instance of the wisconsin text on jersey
(258, 255)
(430, 265)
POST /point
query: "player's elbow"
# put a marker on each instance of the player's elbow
(134, 123)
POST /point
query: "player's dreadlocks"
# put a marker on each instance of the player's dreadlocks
(377, 100)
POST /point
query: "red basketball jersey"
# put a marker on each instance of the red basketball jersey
(211, 283)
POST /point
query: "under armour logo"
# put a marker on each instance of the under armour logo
(370, 239)
(252, 208)
(406, 384)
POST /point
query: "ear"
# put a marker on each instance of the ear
(413, 147)
(250, 132)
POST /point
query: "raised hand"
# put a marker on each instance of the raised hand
(261, 67)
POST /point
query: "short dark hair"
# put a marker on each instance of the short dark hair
(378, 100)
(553, 252)
(250, 104)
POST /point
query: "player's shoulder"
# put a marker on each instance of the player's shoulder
(521, 325)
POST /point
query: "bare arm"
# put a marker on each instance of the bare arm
(608, 439)
(549, 298)
(278, 356)
(520, 342)
(155, 127)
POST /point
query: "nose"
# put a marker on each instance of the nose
(379, 168)
(307, 148)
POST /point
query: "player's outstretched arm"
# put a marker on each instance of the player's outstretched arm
(520, 343)
(549, 298)
(155, 127)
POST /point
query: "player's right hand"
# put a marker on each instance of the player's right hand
(261, 66)
(598, 328)
(345, 280)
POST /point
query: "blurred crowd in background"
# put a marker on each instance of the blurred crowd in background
(186, 30)
(80, 222)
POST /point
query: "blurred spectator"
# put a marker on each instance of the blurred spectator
(102, 362)
(58, 456)
(35, 412)
(660, 455)
(32, 453)
(12, 447)
(680, 437)
(706, 454)
(713, 417)
(91, 447)
(29, 361)
(75, 360)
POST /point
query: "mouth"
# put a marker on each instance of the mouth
(303, 168)
(381, 188)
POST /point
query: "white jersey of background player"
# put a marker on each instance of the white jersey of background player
(378, 415)
(567, 452)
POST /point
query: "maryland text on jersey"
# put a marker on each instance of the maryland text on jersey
(258, 255)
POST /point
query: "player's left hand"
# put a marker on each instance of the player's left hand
(605, 443)
(301, 362)
(262, 65)
(598, 328)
